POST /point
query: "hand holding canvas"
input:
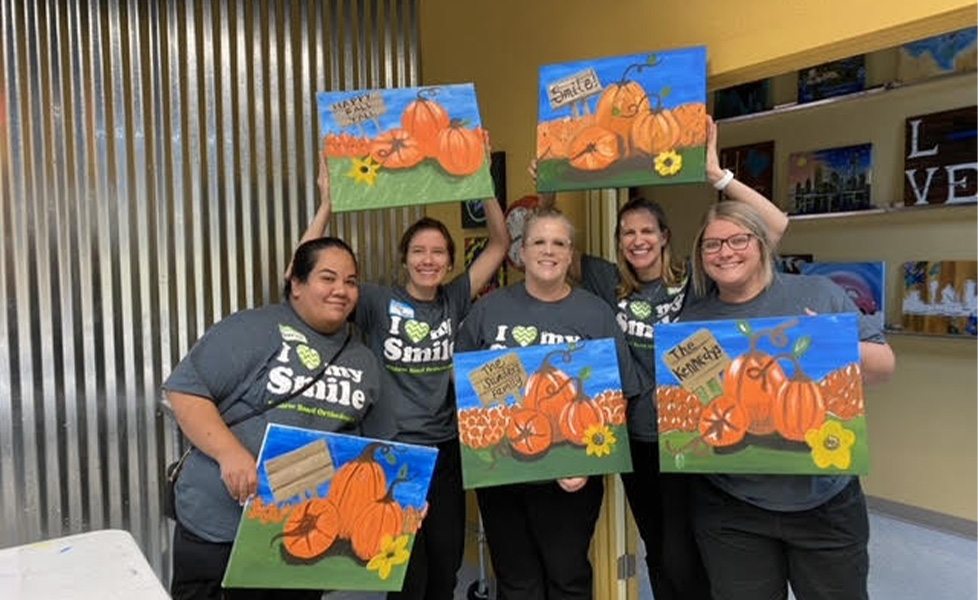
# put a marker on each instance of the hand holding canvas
(239, 472)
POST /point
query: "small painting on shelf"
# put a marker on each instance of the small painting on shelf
(743, 99)
(830, 181)
(792, 263)
(940, 297)
(954, 52)
(864, 282)
(940, 158)
(830, 79)
(753, 164)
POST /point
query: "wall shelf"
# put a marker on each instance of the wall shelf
(934, 336)
(886, 210)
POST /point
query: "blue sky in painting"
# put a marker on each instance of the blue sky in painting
(459, 101)
(600, 355)
(835, 342)
(683, 70)
(420, 460)
(944, 48)
(841, 158)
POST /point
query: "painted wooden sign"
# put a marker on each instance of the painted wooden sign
(940, 297)
(830, 180)
(864, 282)
(772, 395)
(623, 121)
(395, 147)
(540, 412)
(333, 512)
(753, 165)
(941, 158)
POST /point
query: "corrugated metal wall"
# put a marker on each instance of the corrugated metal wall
(157, 165)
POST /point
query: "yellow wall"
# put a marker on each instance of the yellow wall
(923, 423)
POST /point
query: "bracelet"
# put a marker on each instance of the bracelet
(724, 181)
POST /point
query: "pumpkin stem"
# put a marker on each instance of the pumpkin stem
(368, 453)
(799, 374)
(566, 355)
(401, 478)
(639, 67)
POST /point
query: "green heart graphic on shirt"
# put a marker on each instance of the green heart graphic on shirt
(524, 335)
(308, 356)
(416, 330)
(640, 309)
(290, 334)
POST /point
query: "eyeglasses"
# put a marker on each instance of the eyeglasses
(736, 242)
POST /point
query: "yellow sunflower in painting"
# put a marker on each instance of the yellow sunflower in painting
(668, 163)
(599, 439)
(364, 170)
(831, 445)
(393, 552)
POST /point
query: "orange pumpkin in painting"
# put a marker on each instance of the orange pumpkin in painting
(656, 131)
(577, 417)
(356, 485)
(692, 124)
(549, 390)
(593, 149)
(619, 105)
(396, 149)
(798, 408)
(424, 119)
(311, 529)
(382, 518)
(754, 380)
(529, 432)
(842, 391)
(461, 151)
(723, 422)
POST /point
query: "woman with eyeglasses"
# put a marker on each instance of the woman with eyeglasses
(646, 286)
(758, 533)
(539, 533)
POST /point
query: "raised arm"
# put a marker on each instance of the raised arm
(492, 256)
(320, 221)
(776, 221)
(201, 422)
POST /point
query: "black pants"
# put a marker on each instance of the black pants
(437, 552)
(752, 553)
(198, 567)
(660, 503)
(538, 538)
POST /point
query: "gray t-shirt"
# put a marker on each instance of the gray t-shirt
(254, 357)
(653, 303)
(789, 295)
(414, 340)
(502, 316)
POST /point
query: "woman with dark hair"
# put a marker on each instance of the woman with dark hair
(758, 533)
(648, 285)
(411, 329)
(539, 533)
(241, 365)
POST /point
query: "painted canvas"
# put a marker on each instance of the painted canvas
(753, 164)
(954, 52)
(941, 158)
(773, 395)
(473, 248)
(540, 412)
(333, 512)
(864, 282)
(623, 121)
(396, 147)
(832, 79)
(792, 263)
(940, 297)
(831, 180)
(743, 99)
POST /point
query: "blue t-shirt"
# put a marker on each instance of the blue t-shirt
(788, 295)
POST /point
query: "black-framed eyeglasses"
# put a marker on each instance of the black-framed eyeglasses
(736, 242)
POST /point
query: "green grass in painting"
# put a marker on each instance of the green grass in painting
(561, 460)
(426, 183)
(757, 459)
(554, 175)
(259, 563)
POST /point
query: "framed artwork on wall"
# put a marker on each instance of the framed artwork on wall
(941, 158)
(954, 52)
(940, 297)
(742, 99)
(830, 180)
(830, 79)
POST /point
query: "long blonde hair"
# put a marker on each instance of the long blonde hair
(748, 218)
(673, 274)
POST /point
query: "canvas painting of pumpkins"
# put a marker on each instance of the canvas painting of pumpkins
(333, 511)
(623, 121)
(540, 412)
(404, 146)
(761, 396)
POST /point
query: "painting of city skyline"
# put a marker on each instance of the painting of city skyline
(830, 180)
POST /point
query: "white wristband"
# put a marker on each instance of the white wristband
(724, 181)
